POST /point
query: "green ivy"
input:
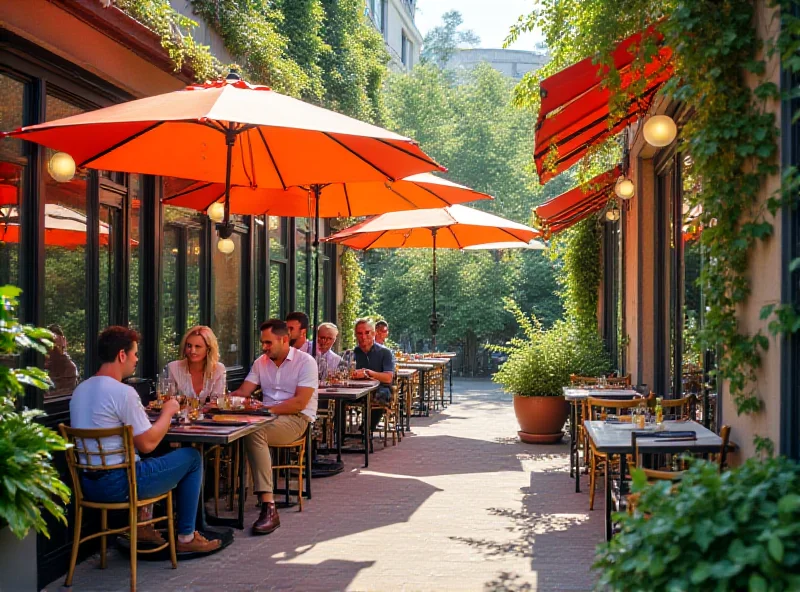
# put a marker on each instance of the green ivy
(352, 275)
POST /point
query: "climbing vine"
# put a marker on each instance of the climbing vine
(720, 74)
(352, 275)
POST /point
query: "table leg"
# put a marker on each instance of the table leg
(571, 439)
(242, 484)
(607, 483)
(577, 453)
(201, 507)
(367, 428)
(450, 363)
(338, 415)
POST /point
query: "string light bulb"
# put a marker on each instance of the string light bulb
(624, 188)
(660, 130)
(61, 167)
(226, 246)
(216, 212)
(612, 214)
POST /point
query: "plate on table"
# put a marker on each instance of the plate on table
(224, 422)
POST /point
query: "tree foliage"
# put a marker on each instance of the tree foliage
(442, 42)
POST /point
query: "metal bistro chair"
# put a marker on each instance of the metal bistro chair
(391, 418)
(79, 450)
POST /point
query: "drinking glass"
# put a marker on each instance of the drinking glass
(322, 369)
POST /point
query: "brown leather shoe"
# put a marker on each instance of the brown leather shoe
(268, 520)
(199, 544)
(148, 534)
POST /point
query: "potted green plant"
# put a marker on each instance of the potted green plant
(539, 366)
(739, 530)
(28, 481)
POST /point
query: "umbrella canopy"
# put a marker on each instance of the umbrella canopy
(63, 227)
(268, 139)
(457, 227)
(534, 245)
(338, 200)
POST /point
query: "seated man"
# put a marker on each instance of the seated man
(288, 381)
(326, 335)
(375, 362)
(381, 332)
(297, 324)
(103, 401)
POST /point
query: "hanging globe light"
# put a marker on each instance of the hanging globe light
(660, 130)
(216, 211)
(226, 246)
(612, 214)
(624, 188)
(61, 167)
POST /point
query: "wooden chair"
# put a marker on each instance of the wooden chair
(299, 461)
(595, 381)
(597, 409)
(80, 461)
(673, 409)
(391, 418)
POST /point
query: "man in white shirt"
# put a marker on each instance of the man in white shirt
(288, 381)
(326, 335)
(104, 401)
(297, 325)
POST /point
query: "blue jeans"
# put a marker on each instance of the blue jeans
(181, 469)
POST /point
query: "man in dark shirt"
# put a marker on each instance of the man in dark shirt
(375, 362)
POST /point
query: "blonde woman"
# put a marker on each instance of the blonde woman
(199, 372)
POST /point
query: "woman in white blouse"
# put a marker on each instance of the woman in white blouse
(199, 372)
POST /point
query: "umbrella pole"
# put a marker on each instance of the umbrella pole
(434, 317)
(317, 190)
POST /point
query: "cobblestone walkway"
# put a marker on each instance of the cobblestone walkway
(460, 504)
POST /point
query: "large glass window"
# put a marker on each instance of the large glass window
(227, 289)
(11, 171)
(65, 264)
(303, 266)
(134, 279)
(278, 268)
(170, 321)
(260, 279)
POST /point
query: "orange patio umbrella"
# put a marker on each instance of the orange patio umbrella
(337, 200)
(63, 227)
(453, 227)
(231, 132)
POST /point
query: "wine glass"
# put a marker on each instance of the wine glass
(322, 369)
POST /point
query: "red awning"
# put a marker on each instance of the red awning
(574, 112)
(576, 204)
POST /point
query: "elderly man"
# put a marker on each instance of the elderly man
(288, 381)
(297, 324)
(326, 335)
(381, 332)
(374, 361)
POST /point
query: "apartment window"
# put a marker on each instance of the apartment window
(405, 50)
(377, 10)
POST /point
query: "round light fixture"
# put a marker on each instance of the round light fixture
(61, 167)
(612, 214)
(660, 130)
(226, 246)
(624, 188)
(216, 211)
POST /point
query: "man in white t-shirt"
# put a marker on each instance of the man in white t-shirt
(104, 401)
(288, 381)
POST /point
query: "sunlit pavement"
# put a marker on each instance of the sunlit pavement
(460, 504)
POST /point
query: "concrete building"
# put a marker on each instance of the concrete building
(511, 62)
(395, 20)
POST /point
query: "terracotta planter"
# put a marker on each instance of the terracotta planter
(541, 419)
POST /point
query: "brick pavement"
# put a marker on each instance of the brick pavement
(460, 504)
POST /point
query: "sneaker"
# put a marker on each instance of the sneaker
(148, 534)
(199, 544)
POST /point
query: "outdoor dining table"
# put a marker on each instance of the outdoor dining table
(440, 363)
(423, 368)
(575, 395)
(202, 434)
(353, 392)
(614, 438)
(450, 356)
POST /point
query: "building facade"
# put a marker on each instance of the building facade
(127, 258)
(395, 21)
(511, 62)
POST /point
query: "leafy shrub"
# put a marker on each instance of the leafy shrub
(28, 481)
(540, 363)
(739, 530)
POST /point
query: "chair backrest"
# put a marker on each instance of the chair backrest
(577, 380)
(638, 452)
(678, 408)
(92, 444)
(725, 434)
(599, 408)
